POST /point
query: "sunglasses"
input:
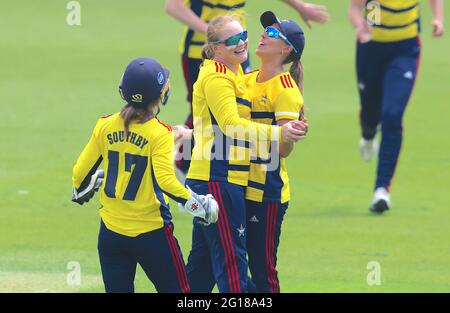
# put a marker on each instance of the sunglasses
(234, 40)
(165, 93)
(272, 32)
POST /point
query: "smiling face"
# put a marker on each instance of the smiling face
(269, 48)
(231, 54)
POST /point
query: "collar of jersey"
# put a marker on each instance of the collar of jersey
(269, 80)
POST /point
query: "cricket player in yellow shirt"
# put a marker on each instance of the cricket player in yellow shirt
(137, 151)
(221, 156)
(387, 61)
(275, 98)
(196, 15)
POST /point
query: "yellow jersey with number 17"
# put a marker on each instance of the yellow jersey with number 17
(139, 173)
(222, 127)
(393, 20)
(276, 99)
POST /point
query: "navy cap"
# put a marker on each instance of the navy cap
(143, 82)
(290, 29)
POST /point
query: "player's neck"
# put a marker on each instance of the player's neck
(268, 70)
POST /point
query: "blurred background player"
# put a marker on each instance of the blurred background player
(196, 14)
(221, 158)
(387, 61)
(137, 150)
(276, 98)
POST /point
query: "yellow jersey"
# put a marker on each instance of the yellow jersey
(139, 173)
(275, 99)
(394, 20)
(223, 132)
(192, 42)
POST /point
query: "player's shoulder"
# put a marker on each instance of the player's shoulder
(164, 126)
(211, 69)
(107, 119)
(159, 128)
(284, 85)
(285, 81)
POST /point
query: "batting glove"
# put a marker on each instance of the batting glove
(204, 207)
(82, 196)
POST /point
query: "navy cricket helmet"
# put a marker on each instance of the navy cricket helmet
(143, 82)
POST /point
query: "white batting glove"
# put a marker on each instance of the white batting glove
(82, 196)
(204, 207)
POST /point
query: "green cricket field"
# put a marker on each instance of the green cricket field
(56, 80)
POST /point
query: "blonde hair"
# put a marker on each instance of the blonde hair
(213, 31)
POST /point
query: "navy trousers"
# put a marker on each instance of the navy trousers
(157, 252)
(219, 254)
(264, 221)
(386, 75)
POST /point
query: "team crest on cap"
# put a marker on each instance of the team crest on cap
(136, 98)
(160, 78)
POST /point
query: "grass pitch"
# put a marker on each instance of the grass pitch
(56, 80)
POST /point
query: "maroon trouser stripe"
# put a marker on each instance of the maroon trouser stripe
(274, 230)
(271, 223)
(185, 61)
(223, 239)
(177, 260)
(227, 242)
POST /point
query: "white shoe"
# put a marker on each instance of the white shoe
(368, 148)
(381, 201)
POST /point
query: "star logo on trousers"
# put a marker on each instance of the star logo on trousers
(241, 231)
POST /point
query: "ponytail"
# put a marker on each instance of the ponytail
(141, 115)
(207, 52)
(296, 71)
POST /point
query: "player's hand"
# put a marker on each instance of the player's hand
(181, 133)
(302, 125)
(290, 132)
(313, 13)
(82, 196)
(204, 207)
(364, 32)
(438, 28)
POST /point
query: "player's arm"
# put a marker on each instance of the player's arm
(163, 168)
(309, 12)
(438, 18)
(355, 12)
(221, 100)
(85, 177)
(285, 148)
(179, 10)
(358, 20)
(287, 106)
(201, 206)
